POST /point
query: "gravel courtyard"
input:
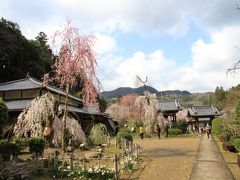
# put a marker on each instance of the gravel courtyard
(167, 158)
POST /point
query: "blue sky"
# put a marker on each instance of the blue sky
(186, 45)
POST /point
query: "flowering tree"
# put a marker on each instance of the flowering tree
(75, 60)
(129, 102)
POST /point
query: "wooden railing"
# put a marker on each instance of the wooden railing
(111, 162)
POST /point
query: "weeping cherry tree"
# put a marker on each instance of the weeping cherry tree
(75, 59)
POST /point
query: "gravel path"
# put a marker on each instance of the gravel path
(209, 163)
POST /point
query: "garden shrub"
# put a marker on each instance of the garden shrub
(124, 135)
(180, 125)
(20, 142)
(216, 126)
(3, 112)
(138, 124)
(236, 143)
(7, 150)
(237, 110)
(36, 145)
(98, 135)
(89, 142)
(122, 123)
(174, 132)
(232, 138)
(224, 136)
(127, 130)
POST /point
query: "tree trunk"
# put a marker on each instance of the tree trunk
(64, 119)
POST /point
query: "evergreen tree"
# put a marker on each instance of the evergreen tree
(19, 56)
(220, 96)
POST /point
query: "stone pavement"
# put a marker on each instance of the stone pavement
(209, 163)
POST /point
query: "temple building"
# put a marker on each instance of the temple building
(199, 116)
(18, 95)
(169, 109)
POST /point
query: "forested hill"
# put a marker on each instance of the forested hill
(20, 56)
(127, 90)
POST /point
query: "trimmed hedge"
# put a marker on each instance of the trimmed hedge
(20, 142)
(7, 150)
(174, 131)
(36, 145)
(180, 125)
(216, 126)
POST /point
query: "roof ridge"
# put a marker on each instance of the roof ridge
(203, 106)
(49, 86)
(13, 81)
(40, 83)
(34, 80)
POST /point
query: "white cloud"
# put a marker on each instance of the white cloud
(143, 17)
(206, 70)
(104, 44)
(124, 72)
(209, 59)
(209, 63)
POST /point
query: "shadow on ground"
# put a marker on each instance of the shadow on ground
(165, 152)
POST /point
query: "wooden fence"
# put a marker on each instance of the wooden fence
(111, 162)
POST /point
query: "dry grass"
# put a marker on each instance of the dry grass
(170, 158)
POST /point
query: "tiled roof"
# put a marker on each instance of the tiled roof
(169, 106)
(18, 105)
(31, 83)
(204, 111)
(72, 108)
(27, 83)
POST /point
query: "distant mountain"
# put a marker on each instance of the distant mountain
(175, 92)
(127, 90)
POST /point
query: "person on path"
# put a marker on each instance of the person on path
(158, 131)
(208, 131)
(141, 132)
(133, 129)
(166, 130)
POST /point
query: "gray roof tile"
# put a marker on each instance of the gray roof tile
(169, 106)
(27, 83)
(204, 111)
(72, 108)
(31, 83)
(18, 105)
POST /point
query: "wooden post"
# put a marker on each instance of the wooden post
(55, 161)
(109, 142)
(137, 150)
(125, 144)
(91, 162)
(115, 142)
(99, 161)
(71, 161)
(84, 163)
(106, 162)
(62, 158)
(116, 167)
